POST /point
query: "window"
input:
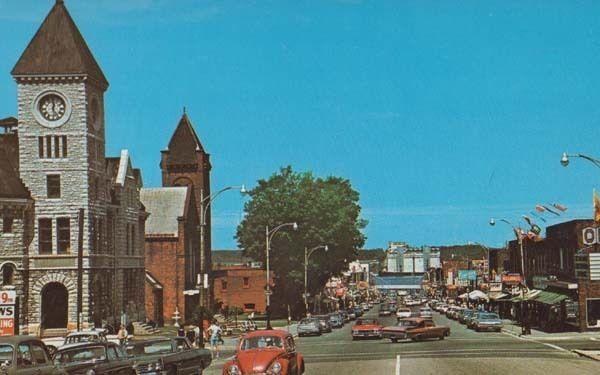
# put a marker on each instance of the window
(24, 356)
(45, 236)
(249, 306)
(64, 146)
(48, 147)
(39, 354)
(53, 185)
(52, 146)
(7, 223)
(128, 240)
(132, 239)
(57, 146)
(41, 147)
(63, 234)
(246, 282)
(8, 272)
(223, 284)
(111, 353)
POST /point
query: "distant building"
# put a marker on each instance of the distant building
(392, 285)
(225, 259)
(242, 287)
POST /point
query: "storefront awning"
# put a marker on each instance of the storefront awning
(550, 298)
(494, 296)
(527, 297)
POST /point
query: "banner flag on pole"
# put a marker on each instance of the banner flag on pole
(559, 207)
(537, 216)
(551, 211)
(540, 208)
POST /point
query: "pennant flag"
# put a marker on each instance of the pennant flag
(559, 207)
(536, 229)
(551, 211)
(537, 216)
(596, 207)
(528, 220)
(540, 208)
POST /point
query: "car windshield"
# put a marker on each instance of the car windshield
(152, 347)
(362, 322)
(468, 312)
(403, 310)
(76, 355)
(406, 323)
(307, 321)
(261, 342)
(6, 353)
(488, 316)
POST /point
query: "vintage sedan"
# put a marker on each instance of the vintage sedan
(486, 321)
(270, 352)
(324, 323)
(366, 328)
(26, 355)
(92, 358)
(309, 326)
(170, 355)
(415, 329)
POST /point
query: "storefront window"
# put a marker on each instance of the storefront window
(593, 312)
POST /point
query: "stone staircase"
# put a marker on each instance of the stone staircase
(143, 329)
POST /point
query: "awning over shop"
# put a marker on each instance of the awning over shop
(549, 298)
(527, 297)
(495, 296)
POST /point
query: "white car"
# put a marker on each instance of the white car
(443, 308)
(425, 312)
(403, 312)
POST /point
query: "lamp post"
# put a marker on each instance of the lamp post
(204, 206)
(520, 240)
(269, 233)
(307, 254)
(564, 160)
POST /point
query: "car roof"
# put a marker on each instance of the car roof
(89, 332)
(17, 339)
(85, 344)
(267, 332)
(154, 339)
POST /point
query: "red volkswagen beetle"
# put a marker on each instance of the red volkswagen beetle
(270, 352)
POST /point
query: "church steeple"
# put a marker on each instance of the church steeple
(58, 48)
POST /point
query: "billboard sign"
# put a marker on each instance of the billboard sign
(512, 278)
(470, 275)
(7, 312)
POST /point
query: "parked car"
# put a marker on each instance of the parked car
(309, 326)
(336, 320)
(351, 314)
(425, 312)
(26, 355)
(324, 322)
(266, 352)
(415, 329)
(464, 314)
(486, 321)
(453, 312)
(366, 328)
(345, 316)
(358, 311)
(403, 312)
(170, 355)
(94, 358)
(441, 308)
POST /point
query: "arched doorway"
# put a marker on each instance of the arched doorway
(55, 306)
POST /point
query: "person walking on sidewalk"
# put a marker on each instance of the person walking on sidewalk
(214, 331)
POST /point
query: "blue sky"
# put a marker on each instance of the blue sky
(442, 114)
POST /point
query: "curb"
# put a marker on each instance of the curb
(587, 354)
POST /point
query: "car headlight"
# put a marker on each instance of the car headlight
(234, 370)
(276, 368)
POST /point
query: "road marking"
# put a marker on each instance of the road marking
(398, 364)
(425, 352)
(529, 339)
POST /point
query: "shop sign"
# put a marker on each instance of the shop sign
(470, 275)
(7, 312)
(511, 278)
(495, 287)
(590, 235)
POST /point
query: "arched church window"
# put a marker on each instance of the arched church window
(8, 272)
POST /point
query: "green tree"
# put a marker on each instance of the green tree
(327, 212)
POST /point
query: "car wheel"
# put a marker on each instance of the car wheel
(394, 340)
(415, 338)
(441, 337)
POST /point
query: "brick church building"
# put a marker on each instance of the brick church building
(173, 228)
(71, 221)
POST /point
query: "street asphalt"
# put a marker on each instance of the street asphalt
(463, 352)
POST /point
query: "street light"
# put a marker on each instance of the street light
(564, 160)
(520, 239)
(307, 254)
(204, 206)
(269, 235)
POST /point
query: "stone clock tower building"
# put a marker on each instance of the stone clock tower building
(85, 261)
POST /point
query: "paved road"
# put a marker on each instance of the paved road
(463, 352)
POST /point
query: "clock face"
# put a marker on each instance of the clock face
(52, 107)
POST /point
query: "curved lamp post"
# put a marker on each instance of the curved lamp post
(520, 239)
(204, 206)
(564, 160)
(269, 235)
(307, 254)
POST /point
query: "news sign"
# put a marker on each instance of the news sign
(8, 299)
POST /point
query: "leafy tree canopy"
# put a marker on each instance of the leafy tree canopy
(327, 212)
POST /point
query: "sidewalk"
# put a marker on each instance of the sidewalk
(514, 328)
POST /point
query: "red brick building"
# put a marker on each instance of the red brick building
(173, 256)
(241, 286)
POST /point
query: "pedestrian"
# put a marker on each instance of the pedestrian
(197, 335)
(122, 335)
(214, 331)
